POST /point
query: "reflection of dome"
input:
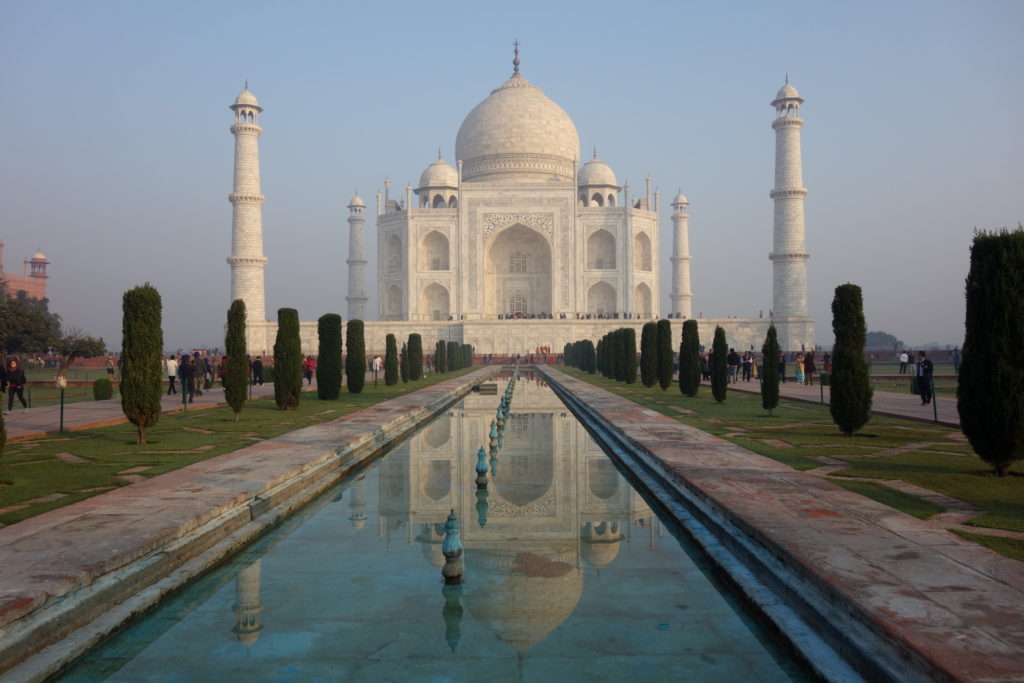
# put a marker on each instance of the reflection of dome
(601, 543)
(439, 174)
(522, 597)
(430, 538)
(603, 478)
(596, 172)
(519, 133)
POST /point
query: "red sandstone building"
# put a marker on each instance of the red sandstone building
(32, 281)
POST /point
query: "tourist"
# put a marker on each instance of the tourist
(799, 372)
(924, 377)
(308, 368)
(904, 359)
(782, 367)
(809, 368)
(733, 360)
(257, 370)
(15, 382)
(955, 357)
(747, 364)
(826, 362)
(197, 370)
(186, 370)
(222, 371)
(171, 370)
(110, 367)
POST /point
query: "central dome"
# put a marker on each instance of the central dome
(518, 134)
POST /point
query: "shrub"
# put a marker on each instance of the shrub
(665, 354)
(287, 360)
(415, 346)
(355, 356)
(236, 381)
(102, 389)
(990, 386)
(390, 361)
(851, 383)
(689, 359)
(452, 356)
(719, 365)
(328, 366)
(142, 358)
(770, 371)
(440, 357)
(649, 354)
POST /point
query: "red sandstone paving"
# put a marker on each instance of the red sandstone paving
(958, 604)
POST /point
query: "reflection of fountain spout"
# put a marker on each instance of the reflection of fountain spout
(452, 550)
(481, 468)
(494, 434)
(481, 506)
(494, 461)
(452, 614)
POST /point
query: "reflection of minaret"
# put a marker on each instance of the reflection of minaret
(357, 505)
(248, 606)
(452, 614)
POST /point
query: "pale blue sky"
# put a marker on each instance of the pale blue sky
(116, 154)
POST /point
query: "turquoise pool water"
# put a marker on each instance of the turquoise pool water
(569, 575)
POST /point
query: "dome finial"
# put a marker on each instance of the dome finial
(439, 153)
(595, 151)
(787, 78)
(515, 60)
(246, 84)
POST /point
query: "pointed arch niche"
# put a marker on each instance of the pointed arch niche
(642, 251)
(517, 273)
(642, 301)
(435, 302)
(433, 252)
(601, 299)
(601, 251)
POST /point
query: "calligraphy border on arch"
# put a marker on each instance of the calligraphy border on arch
(541, 222)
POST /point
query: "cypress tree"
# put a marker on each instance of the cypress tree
(770, 371)
(440, 357)
(599, 352)
(142, 358)
(328, 366)
(616, 363)
(629, 353)
(666, 358)
(452, 356)
(3, 433)
(689, 359)
(649, 354)
(236, 380)
(355, 356)
(719, 365)
(851, 384)
(990, 386)
(390, 361)
(287, 360)
(403, 363)
(415, 346)
(590, 354)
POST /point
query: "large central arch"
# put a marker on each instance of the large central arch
(517, 273)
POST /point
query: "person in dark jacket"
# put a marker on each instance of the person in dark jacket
(924, 377)
(15, 381)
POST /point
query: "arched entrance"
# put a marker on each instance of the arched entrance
(601, 299)
(642, 302)
(434, 302)
(517, 274)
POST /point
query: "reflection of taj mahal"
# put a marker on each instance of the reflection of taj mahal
(519, 230)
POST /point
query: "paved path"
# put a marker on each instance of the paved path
(927, 603)
(884, 402)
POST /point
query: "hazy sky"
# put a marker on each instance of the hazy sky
(116, 158)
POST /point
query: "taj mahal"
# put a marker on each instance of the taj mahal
(519, 246)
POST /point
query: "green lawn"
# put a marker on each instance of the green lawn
(31, 470)
(931, 456)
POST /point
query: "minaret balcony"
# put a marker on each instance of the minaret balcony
(788, 122)
(795, 193)
(242, 198)
(251, 128)
(789, 256)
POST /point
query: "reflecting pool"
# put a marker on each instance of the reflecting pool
(568, 575)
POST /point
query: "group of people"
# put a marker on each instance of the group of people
(746, 367)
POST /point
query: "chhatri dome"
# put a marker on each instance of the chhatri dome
(439, 174)
(596, 172)
(517, 133)
(246, 98)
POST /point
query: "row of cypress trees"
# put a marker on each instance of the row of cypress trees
(616, 355)
(581, 354)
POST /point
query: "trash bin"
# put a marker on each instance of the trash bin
(913, 386)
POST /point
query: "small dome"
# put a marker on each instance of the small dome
(357, 201)
(596, 172)
(787, 92)
(439, 174)
(680, 199)
(246, 98)
(39, 256)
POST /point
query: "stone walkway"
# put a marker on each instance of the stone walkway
(920, 601)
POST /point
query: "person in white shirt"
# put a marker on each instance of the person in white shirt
(171, 370)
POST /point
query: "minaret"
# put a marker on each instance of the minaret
(682, 295)
(789, 255)
(247, 260)
(356, 259)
